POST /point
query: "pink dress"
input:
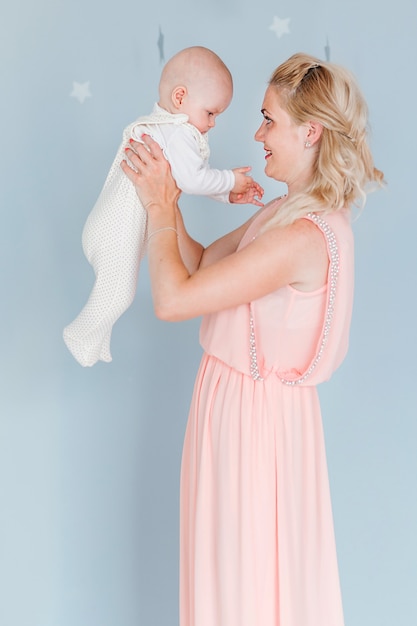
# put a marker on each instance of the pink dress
(257, 539)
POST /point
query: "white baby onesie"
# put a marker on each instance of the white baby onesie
(114, 235)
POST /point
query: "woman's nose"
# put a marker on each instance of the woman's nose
(259, 133)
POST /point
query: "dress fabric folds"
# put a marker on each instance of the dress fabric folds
(257, 544)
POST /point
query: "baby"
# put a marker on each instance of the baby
(194, 88)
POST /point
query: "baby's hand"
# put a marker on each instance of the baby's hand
(252, 196)
(246, 190)
(242, 181)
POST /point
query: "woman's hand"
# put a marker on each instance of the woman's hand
(150, 174)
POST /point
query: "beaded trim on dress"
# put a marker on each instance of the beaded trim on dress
(333, 277)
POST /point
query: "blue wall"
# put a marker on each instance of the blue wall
(89, 458)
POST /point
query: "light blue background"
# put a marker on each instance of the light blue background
(89, 458)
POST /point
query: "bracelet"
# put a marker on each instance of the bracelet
(159, 230)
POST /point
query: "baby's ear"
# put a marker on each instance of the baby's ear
(178, 95)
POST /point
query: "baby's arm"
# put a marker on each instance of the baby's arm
(194, 175)
(192, 172)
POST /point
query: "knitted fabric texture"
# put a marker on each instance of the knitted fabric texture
(114, 242)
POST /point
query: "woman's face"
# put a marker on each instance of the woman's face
(284, 141)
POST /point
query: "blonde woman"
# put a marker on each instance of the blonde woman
(257, 541)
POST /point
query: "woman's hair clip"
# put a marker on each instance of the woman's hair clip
(351, 139)
(313, 66)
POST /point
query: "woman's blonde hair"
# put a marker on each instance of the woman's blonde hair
(310, 89)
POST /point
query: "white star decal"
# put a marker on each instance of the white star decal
(81, 91)
(280, 26)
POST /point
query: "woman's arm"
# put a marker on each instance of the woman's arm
(191, 250)
(193, 253)
(225, 245)
(295, 255)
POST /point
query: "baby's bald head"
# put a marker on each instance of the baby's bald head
(198, 70)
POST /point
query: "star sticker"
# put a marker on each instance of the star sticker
(280, 26)
(81, 91)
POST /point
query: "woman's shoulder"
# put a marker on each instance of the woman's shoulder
(339, 221)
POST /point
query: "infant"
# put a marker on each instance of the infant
(195, 87)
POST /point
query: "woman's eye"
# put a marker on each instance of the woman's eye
(267, 119)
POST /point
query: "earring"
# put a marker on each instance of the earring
(307, 144)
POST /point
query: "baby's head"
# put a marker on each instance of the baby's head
(196, 82)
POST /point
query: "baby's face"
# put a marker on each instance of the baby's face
(203, 105)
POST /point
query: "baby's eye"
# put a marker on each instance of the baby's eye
(209, 113)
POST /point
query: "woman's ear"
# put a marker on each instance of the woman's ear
(178, 95)
(314, 132)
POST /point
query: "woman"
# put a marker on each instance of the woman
(257, 542)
